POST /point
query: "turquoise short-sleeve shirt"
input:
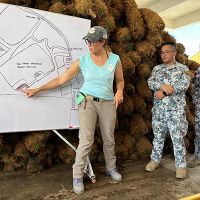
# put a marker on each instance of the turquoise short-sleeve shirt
(98, 81)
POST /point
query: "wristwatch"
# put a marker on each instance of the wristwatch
(165, 93)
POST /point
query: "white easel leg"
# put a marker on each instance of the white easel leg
(88, 167)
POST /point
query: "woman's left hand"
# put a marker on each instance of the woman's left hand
(118, 98)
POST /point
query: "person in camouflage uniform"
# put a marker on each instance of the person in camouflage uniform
(196, 101)
(169, 82)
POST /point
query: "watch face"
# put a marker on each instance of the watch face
(164, 93)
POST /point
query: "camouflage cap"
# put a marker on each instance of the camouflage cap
(96, 33)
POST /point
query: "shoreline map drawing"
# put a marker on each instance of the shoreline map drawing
(35, 47)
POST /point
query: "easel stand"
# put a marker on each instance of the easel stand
(88, 167)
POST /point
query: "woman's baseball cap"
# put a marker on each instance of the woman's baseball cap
(96, 33)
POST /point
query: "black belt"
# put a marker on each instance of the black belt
(89, 97)
(95, 99)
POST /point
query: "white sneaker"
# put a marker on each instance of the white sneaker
(115, 175)
(78, 186)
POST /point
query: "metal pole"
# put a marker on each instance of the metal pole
(68, 143)
(88, 167)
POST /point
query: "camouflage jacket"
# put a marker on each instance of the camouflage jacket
(177, 77)
(196, 87)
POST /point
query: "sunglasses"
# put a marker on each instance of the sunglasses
(91, 43)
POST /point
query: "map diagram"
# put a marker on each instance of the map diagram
(33, 50)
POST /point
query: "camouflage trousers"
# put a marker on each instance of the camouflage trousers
(174, 123)
(197, 131)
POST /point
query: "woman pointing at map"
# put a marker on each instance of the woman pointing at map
(95, 100)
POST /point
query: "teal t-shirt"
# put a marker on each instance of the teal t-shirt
(98, 81)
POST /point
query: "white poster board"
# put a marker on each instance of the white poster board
(35, 47)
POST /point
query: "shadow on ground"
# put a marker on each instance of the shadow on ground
(137, 184)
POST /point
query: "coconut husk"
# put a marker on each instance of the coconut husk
(143, 90)
(190, 105)
(193, 65)
(128, 46)
(148, 114)
(135, 156)
(127, 64)
(123, 34)
(116, 9)
(190, 117)
(191, 135)
(167, 37)
(180, 48)
(155, 39)
(135, 57)
(127, 107)
(70, 10)
(117, 48)
(101, 9)
(10, 162)
(134, 19)
(57, 1)
(187, 142)
(44, 157)
(152, 62)
(84, 8)
(35, 142)
(152, 20)
(129, 89)
(191, 74)
(144, 147)
(124, 124)
(182, 59)
(138, 128)
(139, 105)
(58, 7)
(42, 5)
(26, 3)
(191, 147)
(117, 4)
(145, 49)
(115, 13)
(20, 150)
(22, 153)
(33, 166)
(124, 145)
(133, 79)
(148, 123)
(66, 154)
(6, 148)
(143, 70)
(107, 22)
(129, 143)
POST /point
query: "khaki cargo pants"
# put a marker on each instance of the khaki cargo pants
(89, 111)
